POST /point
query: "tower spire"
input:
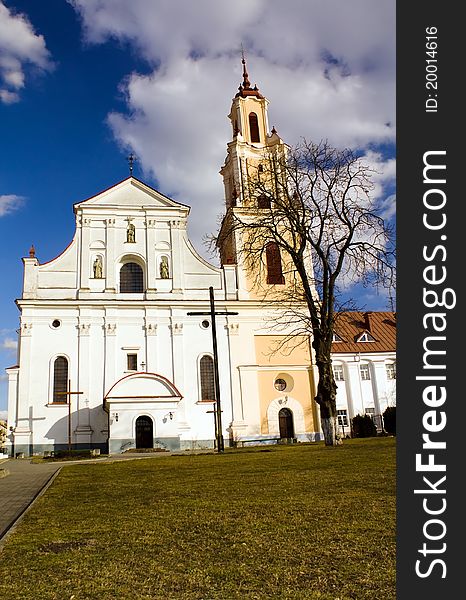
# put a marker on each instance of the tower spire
(246, 83)
(245, 88)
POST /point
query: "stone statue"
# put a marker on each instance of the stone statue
(164, 271)
(131, 233)
(98, 267)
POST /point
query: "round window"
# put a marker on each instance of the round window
(205, 324)
(283, 382)
(280, 384)
(56, 323)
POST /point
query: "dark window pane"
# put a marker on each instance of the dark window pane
(60, 379)
(132, 362)
(131, 279)
(254, 127)
(274, 263)
(263, 201)
(206, 367)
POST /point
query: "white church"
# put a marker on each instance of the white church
(109, 355)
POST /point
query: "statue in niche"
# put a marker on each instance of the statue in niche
(97, 266)
(164, 270)
(131, 233)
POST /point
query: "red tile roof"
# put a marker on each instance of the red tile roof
(350, 325)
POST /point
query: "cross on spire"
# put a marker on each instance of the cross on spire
(131, 158)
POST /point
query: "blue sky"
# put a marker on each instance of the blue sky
(84, 82)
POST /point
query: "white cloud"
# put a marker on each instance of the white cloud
(9, 344)
(9, 203)
(19, 46)
(328, 70)
(384, 180)
(8, 97)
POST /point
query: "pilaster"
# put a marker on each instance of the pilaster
(85, 260)
(150, 255)
(110, 332)
(355, 389)
(83, 429)
(150, 329)
(379, 384)
(176, 233)
(22, 416)
(30, 277)
(110, 255)
(238, 424)
(177, 342)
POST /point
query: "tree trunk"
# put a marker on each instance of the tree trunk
(328, 422)
(330, 431)
(326, 399)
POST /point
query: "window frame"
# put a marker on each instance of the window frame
(202, 374)
(132, 355)
(123, 271)
(364, 368)
(390, 370)
(60, 393)
(342, 417)
(365, 337)
(338, 368)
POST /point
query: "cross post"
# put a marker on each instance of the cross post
(68, 395)
(218, 410)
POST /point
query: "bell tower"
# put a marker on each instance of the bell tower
(251, 146)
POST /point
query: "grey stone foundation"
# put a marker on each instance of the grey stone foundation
(39, 449)
(118, 446)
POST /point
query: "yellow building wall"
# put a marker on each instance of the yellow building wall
(293, 363)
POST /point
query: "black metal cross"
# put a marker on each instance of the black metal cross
(213, 313)
(131, 158)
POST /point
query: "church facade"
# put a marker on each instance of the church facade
(109, 355)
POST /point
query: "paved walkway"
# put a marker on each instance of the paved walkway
(20, 487)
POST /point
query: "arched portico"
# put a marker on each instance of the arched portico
(142, 410)
(297, 415)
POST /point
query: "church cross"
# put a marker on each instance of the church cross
(218, 411)
(131, 158)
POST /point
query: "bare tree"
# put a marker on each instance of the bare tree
(306, 228)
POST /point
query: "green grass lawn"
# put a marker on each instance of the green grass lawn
(299, 522)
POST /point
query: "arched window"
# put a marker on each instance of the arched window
(131, 278)
(60, 379)
(254, 127)
(206, 375)
(274, 264)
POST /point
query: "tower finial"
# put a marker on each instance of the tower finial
(246, 82)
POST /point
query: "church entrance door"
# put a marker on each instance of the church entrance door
(285, 421)
(144, 432)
